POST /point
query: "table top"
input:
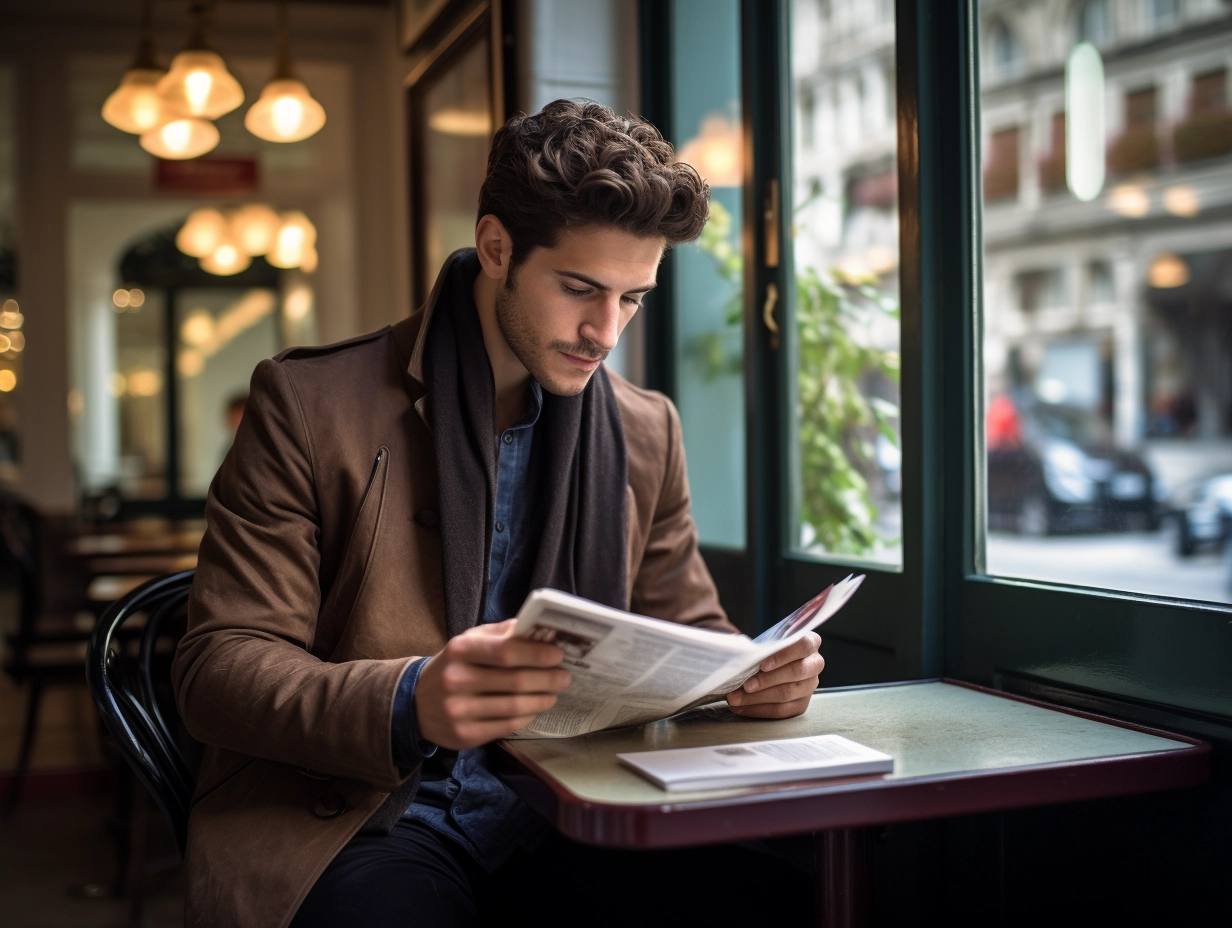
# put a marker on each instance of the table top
(125, 543)
(957, 748)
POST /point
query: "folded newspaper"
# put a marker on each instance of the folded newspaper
(628, 669)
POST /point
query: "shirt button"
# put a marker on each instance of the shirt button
(500, 526)
(509, 438)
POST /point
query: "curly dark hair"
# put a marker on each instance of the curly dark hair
(576, 163)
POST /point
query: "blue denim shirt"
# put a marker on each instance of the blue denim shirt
(473, 806)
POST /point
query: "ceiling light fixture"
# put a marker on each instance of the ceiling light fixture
(199, 84)
(285, 111)
(135, 106)
(181, 139)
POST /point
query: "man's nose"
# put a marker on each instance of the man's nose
(604, 327)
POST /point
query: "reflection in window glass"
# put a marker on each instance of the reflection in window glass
(844, 340)
(708, 275)
(222, 334)
(457, 109)
(1108, 304)
(12, 338)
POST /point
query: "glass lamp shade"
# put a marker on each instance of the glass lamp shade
(135, 105)
(199, 85)
(255, 228)
(203, 231)
(296, 239)
(181, 139)
(285, 112)
(227, 259)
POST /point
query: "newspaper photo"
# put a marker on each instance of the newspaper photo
(628, 669)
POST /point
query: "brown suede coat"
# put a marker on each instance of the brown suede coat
(320, 579)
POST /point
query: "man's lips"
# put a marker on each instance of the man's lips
(581, 363)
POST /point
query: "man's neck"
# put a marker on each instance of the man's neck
(510, 377)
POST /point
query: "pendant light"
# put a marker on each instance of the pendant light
(227, 259)
(254, 228)
(204, 229)
(199, 85)
(285, 111)
(181, 139)
(296, 240)
(135, 106)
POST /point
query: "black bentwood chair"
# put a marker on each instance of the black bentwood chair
(130, 681)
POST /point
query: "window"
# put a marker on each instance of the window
(1163, 14)
(12, 339)
(708, 276)
(1210, 92)
(1001, 165)
(1206, 131)
(1007, 53)
(1095, 22)
(1137, 149)
(843, 336)
(1108, 401)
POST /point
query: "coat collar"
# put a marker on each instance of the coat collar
(411, 334)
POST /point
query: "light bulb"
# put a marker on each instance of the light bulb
(198, 328)
(226, 260)
(200, 85)
(200, 235)
(285, 112)
(181, 139)
(309, 262)
(255, 228)
(296, 239)
(135, 106)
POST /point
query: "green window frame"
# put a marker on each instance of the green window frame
(1147, 657)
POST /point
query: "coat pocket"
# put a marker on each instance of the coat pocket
(352, 573)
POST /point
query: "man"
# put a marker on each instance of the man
(386, 507)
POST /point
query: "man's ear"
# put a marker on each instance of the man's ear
(495, 247)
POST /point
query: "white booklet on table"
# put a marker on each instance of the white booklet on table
(754, 763)
(628, 669)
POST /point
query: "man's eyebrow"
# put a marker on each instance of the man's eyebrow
(604, 288)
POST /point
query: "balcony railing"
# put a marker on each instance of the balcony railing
(1202, 136)
(1136, 150)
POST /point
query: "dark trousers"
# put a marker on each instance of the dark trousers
(415, 877)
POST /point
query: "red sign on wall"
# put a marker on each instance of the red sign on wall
(207, 175)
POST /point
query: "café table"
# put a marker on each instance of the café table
(129, 543)
(958, 749)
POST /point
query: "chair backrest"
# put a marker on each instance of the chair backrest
(20, 528)
(128, 672)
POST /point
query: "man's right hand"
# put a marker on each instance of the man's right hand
(484, 684)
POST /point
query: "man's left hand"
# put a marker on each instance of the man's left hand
(783, 684)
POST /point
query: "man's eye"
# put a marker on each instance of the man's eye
(574, 291)
(633, 301)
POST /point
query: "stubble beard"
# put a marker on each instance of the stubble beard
(515, 325)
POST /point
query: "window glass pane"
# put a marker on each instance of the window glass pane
(843, 335)
(117, 401)
(12, 339)
(1107, 303)
(222, 334)
(708, 275)
(457, 109)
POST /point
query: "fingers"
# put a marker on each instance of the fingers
(473, 734)
(463, 710)
(807, 668)
(461, 677)
(495, 646)
(783, 693)
(806, 645)
(774, 710)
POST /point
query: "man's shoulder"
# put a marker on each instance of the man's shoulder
(342, 350)
(647, 417)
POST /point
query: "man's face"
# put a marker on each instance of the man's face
(562, 310)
